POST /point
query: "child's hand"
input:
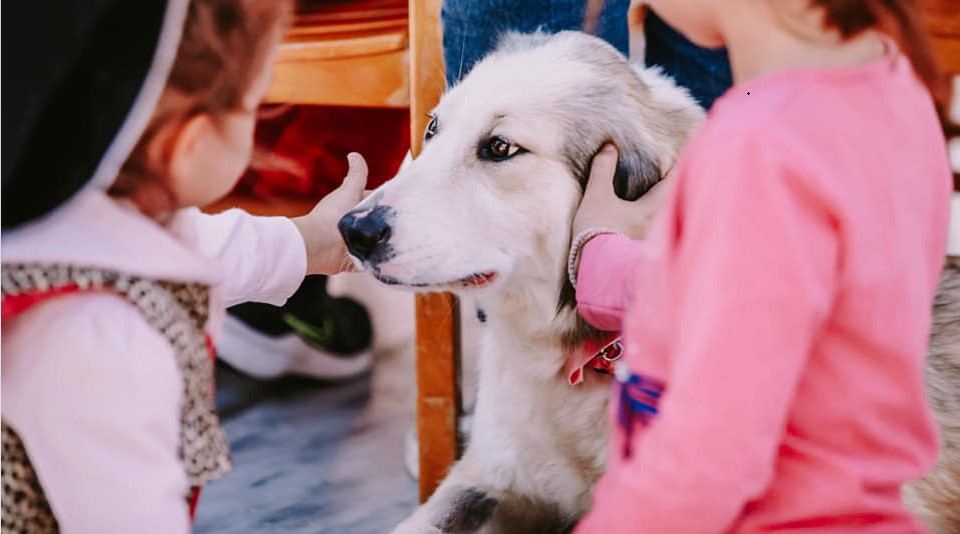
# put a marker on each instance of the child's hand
(601, 209)
(326, 252)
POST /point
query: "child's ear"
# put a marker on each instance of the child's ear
(187, 146)
(637, 171)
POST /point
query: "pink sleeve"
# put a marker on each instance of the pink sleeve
(264, 258)
(755, 267)
(608, 265)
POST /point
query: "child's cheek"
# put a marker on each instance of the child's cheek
(239, 140)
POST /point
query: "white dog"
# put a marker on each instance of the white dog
(485, 211)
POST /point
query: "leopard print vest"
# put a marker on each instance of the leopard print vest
(179, 311)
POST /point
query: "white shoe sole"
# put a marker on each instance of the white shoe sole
(261, 356)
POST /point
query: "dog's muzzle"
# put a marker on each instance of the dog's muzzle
(367, 234)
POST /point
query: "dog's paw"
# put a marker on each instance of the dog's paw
(467, 510)
(460, 510)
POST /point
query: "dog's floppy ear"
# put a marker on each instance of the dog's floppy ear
(637, 172)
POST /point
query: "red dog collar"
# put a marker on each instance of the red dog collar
(597, 355)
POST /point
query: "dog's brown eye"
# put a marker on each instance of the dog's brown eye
(431, 129)
(498, 149)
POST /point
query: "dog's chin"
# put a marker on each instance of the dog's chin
(472, 282)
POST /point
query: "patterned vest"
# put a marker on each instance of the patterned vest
(179, 312)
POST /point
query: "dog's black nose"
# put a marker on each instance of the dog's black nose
(366, 235)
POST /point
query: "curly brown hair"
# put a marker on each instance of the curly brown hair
(223, 50)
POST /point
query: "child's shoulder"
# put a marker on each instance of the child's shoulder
(754, 105)
(744, 127)
(827, 104)
(752, 136)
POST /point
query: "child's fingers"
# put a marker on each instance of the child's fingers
(356, 179)
(602, 169)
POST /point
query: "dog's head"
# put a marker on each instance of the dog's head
(489, 201)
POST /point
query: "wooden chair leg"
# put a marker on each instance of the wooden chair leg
(438, 326)
(438, 396)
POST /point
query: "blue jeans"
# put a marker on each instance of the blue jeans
(471, 29)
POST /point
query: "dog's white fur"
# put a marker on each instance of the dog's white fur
(538, 443)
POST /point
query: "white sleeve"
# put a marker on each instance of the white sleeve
(94, 393)
(264, 258)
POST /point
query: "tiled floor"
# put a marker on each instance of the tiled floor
(314, 458)
(317, 458)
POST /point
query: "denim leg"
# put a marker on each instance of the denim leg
(704, 71)
(471, 28)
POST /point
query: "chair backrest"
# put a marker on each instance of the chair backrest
(319, 18)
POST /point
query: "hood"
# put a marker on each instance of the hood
(83, 79)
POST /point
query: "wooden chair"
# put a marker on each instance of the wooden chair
(385, 54)
(438, 325)
(345, 54)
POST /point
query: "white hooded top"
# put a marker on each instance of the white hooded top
(91, 388)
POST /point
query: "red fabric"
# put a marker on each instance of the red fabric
(210, 346)
(306, 148)
(14, 305)
(194, 501)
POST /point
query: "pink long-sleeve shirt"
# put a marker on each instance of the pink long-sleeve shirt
(784, 297)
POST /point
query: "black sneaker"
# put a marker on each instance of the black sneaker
(312, 335)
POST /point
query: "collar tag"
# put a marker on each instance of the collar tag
(601, 360)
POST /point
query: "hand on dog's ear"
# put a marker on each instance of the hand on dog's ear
(602, 206)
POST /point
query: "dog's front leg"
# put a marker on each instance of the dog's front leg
(463, 503)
